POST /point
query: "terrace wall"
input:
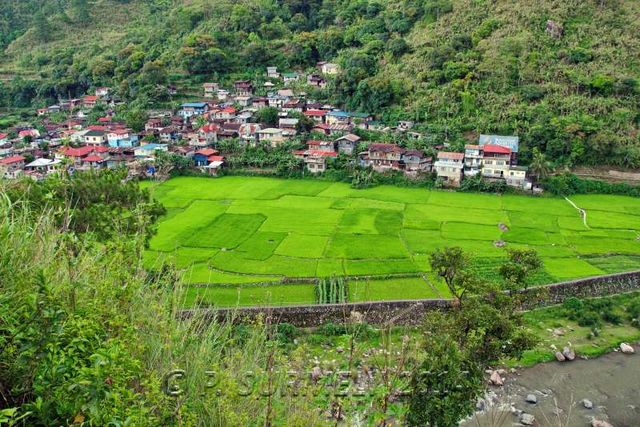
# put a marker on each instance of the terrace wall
(411, 312)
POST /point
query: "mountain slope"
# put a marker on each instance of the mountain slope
(459, 67)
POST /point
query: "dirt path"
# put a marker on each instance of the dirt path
(583, 213)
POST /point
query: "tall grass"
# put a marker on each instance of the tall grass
(331, 290)
(87, 336)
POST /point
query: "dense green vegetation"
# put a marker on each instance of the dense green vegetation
(571, 92)
(235, 232)
(88, 336)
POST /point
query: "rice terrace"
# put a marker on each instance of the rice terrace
(253, 241)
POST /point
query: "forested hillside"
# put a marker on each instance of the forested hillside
(563, 75)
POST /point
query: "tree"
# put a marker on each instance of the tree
(461, 343)
(136, 119)
(449, 263)
(445, 385)
(81, 10)
(41, 26)
(539, 167)
(268, 116)
(519, 267)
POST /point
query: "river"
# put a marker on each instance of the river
(611, 382)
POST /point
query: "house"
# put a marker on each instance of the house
(337, 117)
(4, 138)
(316, 161)
(172, 90)
(29, 133)
(210, 89)
(249, 132)
(53, 109)
(326, 146)
(222, 94)
(11, 167)
(201, 157)
(295, 106)
(74, 155)
(285, 94)
(41, 168)
(316, 115)
(472, 160)
(287, 123)
(243, 87)
(209, 133)
(225, 114)
(149, 150)
(405, 125)
(260, 102)
(510, 142)
(214, 164)
(415, 162)
(383, 157)
(243, 101)
(449, 167)
(272, 73)
(328, 68)
(496, 160)
(190, 109)
(92, 161)
(102, 91)
(316, 81)
(347, 143)
(95, 137)
(273, 136)
(289, 78)
(169, 134)
(517, 177)
(89, 101)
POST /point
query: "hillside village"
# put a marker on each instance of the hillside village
(316, 132)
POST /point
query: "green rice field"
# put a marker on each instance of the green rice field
(238, 238)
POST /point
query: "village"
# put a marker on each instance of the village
(317, 132)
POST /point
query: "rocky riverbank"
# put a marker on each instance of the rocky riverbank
(571, 393)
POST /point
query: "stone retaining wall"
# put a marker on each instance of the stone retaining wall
(411, 312)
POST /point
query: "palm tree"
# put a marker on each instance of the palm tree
(540, 167)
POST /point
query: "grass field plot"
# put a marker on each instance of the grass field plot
(330, 267)
(600, 245)
(539, 222)
(174, 231)
(555, 206)
(570, 268)
(423, 241)
(615, 263)
(602, 219)
(244, 230)
(389, 289)
(373, 267)
(261, 245)
(227, 231)
(303, 246)
(608, 203)
(465, 231)
(251, 295)
(302, 221)
(362, 246)
(466, 200)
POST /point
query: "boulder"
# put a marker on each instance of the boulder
(531, 398)
(568, 353)
(560, 357)
(587, 403)
(626, 348)
(527, 419)
(316, 373)
(599, 423)
(496, 379)
(554, 29)
(340, 350)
